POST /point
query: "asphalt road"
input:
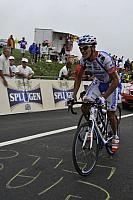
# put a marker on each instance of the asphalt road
(42, 168)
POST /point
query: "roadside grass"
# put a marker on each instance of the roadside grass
(41, 68)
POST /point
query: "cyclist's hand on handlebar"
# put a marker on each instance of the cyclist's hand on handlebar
(100, 100)
(82, 94)
(70, 101)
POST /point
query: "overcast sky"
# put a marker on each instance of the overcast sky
(110, 21)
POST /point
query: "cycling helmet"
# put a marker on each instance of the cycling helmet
(87, 39)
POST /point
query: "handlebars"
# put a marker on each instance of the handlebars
(71, 103)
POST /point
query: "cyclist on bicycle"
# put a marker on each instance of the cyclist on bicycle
(105, 85)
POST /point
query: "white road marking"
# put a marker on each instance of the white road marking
(125, 116)
(36, 136)
(2, 144)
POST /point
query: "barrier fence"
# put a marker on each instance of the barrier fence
(24, 95)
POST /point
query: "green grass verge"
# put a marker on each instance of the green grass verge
(49, 70)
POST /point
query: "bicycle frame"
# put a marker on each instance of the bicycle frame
(92, 134)
(94, 111)
(101, 136)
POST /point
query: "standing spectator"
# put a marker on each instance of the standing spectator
(38, 53)
(132, 70)
(65, 71)
(44, 51)
(5, 65)
(32, 51)
(24, 71)
(11, 43)
(131, 66)
(23, 44)
(120, 65)
(114, 57)
(16, 43)
(127, 65)
(62, 53)
(121, 59)
(12, 65)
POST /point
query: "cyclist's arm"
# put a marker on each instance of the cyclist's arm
(77, 82)
(3, 77)
(114, 84)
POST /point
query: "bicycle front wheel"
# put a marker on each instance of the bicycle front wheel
(82, 120)
(84, 151)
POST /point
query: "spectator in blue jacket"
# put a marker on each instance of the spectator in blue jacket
(32, 51)
(38, 53)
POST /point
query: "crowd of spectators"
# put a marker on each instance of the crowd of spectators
(124, 68)
(8, 68)
(44, 51)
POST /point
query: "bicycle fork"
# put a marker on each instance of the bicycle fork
(89, 133)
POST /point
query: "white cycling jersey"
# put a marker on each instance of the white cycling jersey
(101, 67)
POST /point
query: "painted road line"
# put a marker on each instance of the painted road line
(36, 136)
(44, 134)
(125, 116)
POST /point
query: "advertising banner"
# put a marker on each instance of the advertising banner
(24, 95)
(62, 90)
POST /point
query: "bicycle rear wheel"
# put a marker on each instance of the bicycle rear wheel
(84, 157)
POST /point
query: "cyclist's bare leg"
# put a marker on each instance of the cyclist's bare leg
(113, 121)
(85, 110)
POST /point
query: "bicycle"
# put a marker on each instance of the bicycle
(83, 118)
(91, 136)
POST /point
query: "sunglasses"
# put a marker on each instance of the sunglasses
(83, 48)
